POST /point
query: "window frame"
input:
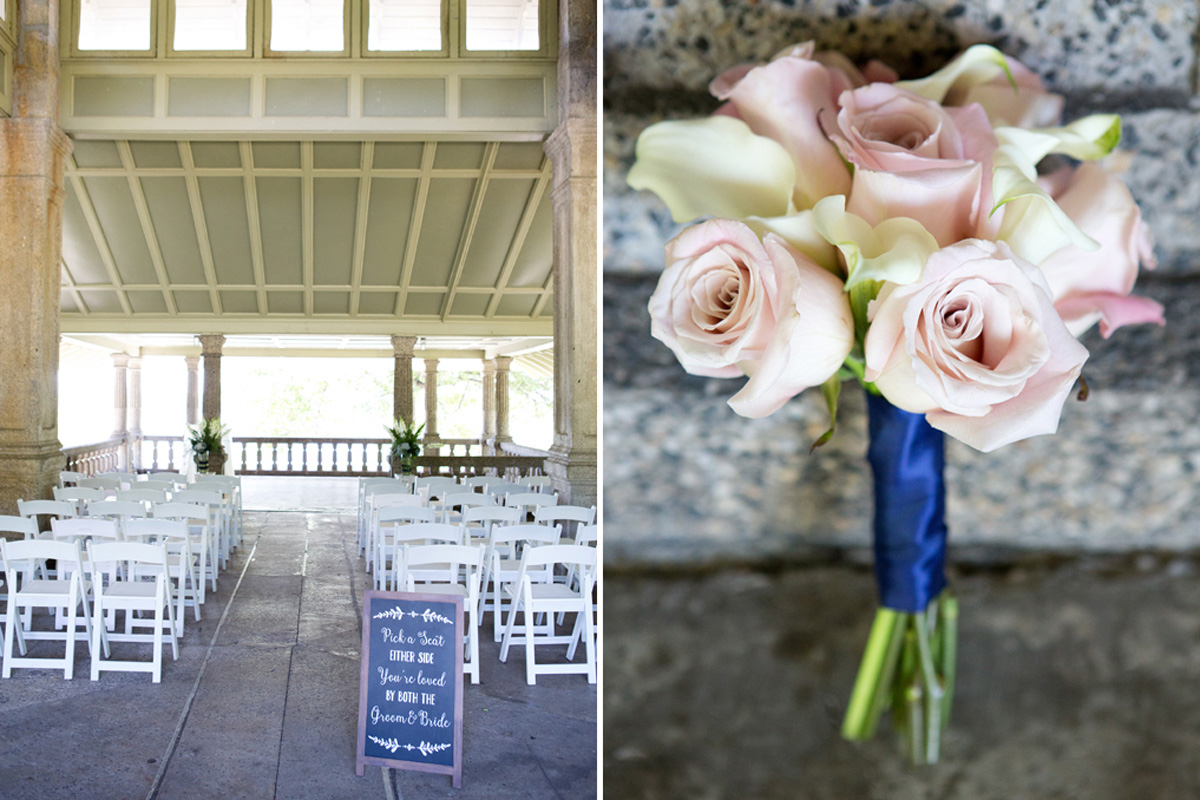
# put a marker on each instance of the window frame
(75, 52)
(365, 23)
(349, 35)
(248, 52)
(547, 25)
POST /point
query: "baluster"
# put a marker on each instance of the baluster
(244, 448)
(333, 457)
(290, 449)
(320, 447)
(274, 456)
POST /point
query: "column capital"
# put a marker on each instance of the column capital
(572, 149)
(120, 360)
(431, 364)
(404, 345)
(503, 363)
(211, 344)
(193, 363)
(135, 362)
(489, 366)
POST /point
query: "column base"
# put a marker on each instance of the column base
(575, 476)
(28, 472)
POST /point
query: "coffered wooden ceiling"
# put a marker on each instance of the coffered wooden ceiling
(421, 238)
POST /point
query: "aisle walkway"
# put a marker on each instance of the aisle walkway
(263, 700)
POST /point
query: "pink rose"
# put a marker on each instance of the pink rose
(728, 304)
(782, 100)
(915, 158)
(975, 345)
(1094, 285)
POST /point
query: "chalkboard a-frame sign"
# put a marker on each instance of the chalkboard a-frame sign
(410, 695)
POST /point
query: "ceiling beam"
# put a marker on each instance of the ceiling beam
(518, 242)
(206, 258)
(143, 212)
(93, 223)
(414, 227)
(255, 225)
(236, 324)
(468, 231)
(306, 223)
(360, 224)
(69, 284)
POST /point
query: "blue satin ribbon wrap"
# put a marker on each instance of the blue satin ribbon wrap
(907, 457)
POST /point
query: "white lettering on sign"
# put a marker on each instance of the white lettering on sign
(420, 719)
(396, 637)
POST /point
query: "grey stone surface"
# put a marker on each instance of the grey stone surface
(1074, 682)
(1106, 48)
(689, 482)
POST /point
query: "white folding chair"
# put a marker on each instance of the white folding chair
(26, 526)
(69, 478)
(231, 487)
(499, 569)
(129, 577)
(477, 483)
(529, 502)
(580, 515)
(127, 479)
(392, 524)
(67, 592)
(181, 562)
(454, 503)
(380, 500)
(536, 483)
(477, 522)
(106, 483)
(200, 524)
(501, 487)
(215, 502)
(118, 510)
(146, 496)
(532, 598)
(418, 534)
(79, 496)
(385, 485)
(449, 563)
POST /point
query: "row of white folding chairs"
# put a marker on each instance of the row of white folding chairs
(173, 490)
(435, 485)
(449, 568)
(148, 575)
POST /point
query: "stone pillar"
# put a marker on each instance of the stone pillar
(489, 402)
(210, 347)
(32, 153)
(503, 363)
(134, 462)
(572, 150)
(431, 434)
(120, 406)
(193, 390)
(402, 394)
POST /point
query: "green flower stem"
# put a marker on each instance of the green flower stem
(874, 675)
(909, 663)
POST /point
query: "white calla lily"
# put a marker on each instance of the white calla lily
(800, 231)
(1086, 139)
(895, 250)
(976, 65)
(1033, 224)
(714, 166)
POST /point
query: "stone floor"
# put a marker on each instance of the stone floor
(263, 700)
(1076, 680)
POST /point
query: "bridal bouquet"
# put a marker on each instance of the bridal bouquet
(943, 241)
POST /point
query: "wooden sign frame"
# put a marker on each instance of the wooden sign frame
(371, 600)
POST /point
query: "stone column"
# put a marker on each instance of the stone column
(135, 415)
(572, 150)
(402, 394)
(193, 390)
(32, 152)
(503, 363)
(120, 406)
(489, 402)
(210, 348)
(431, 434)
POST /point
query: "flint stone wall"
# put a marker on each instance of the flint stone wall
(688, 482)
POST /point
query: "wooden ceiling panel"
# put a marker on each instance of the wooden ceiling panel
(224, 202)
(112, 202)
(500, 215)
(388, 221)
(279, 221)
(335, 202)
(174, 228)
(80, 253)
(445, 214)
(533, 263)
(148, 155)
